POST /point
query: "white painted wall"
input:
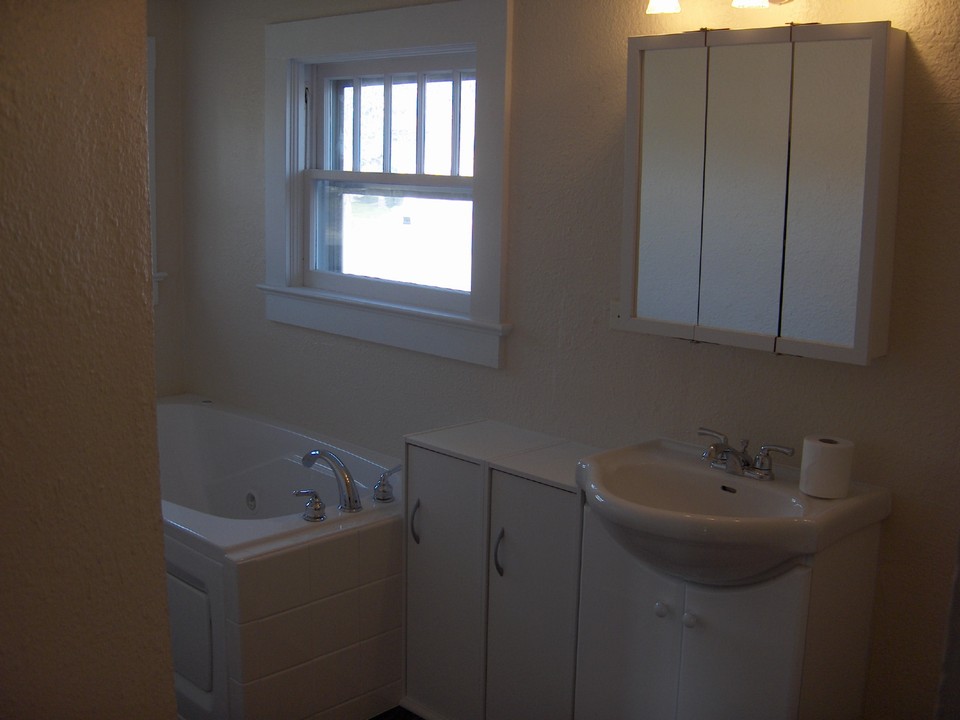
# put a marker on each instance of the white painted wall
(566, 372)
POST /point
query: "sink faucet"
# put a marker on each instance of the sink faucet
(722, 456)
(349, 496)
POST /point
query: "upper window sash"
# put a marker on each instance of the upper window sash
(325, 83)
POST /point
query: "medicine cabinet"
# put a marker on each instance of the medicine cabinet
(761, 187)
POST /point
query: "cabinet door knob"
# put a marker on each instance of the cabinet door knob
(413, 518)
(689, 620)
(660, 609)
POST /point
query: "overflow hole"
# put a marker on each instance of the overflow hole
(727, 488)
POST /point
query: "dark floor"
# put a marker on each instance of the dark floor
(398, 713)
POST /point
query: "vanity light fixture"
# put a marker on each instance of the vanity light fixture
(658, 7)
(758, 3)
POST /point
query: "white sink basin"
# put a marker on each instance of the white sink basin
(670, 509)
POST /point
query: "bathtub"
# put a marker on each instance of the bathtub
(271, 615)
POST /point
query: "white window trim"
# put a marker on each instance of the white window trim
(475, 336)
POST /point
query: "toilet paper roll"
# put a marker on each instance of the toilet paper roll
(826, 466)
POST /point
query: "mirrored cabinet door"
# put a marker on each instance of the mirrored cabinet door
(831, 96)
(744, 184)
(671, 184)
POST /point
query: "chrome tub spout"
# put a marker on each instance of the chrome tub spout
(349, 496)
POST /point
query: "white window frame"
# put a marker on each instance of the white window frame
(472, 331)
(320, 155)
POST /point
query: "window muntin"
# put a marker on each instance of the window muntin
(391, 197)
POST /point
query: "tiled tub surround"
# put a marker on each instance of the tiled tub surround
(274, 616)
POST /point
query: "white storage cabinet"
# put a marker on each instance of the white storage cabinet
(492, 550)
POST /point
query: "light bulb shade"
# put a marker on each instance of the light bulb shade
(750, 3)
(657, 7)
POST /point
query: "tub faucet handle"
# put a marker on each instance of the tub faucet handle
(383, 491)
(314, 510)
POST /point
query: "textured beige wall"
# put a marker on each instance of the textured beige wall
(566, 372)
(163, 25)
(82, 594)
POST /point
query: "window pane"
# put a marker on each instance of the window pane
(403, 124)
(371, 125)
(405, 235)
(438, 124)
(342, 144)
(468, 107)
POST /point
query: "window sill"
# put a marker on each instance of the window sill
(435, 333)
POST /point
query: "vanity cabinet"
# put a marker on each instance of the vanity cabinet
(761, 187)
(793, 646)
(492, 555)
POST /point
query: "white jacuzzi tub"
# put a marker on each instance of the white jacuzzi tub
(260, 599)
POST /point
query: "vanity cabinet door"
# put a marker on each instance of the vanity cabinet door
(445, 584)
(628, 651)
(532, 608)
(652, 646)
(742, 650)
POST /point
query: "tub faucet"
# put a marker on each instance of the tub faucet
(349, 497)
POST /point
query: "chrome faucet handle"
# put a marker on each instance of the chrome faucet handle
(713, 452)
(718, 436)
(383, 491)
(314, 510)
(763, 464)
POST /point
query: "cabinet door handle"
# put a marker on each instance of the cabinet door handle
(496, 554)
(413, 519)
(689, 620)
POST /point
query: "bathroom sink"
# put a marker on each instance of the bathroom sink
(667, 507)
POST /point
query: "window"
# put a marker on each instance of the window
(389, 188)
(384, 196)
